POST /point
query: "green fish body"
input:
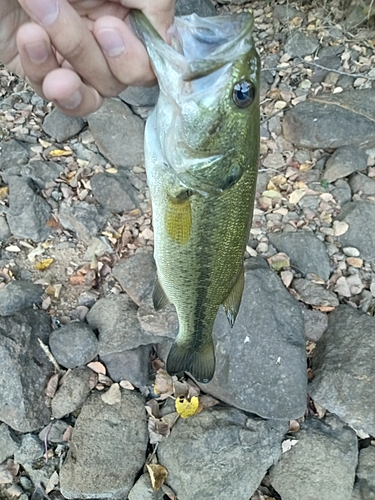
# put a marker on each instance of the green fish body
(201, 148)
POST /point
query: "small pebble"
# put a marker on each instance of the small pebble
(351, 251)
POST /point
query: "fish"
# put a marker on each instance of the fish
(201, 159)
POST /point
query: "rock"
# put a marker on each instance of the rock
(26, 370)
(96, 247)
(13, 153)
(19, 295)
(342, 358)
(220, 453)
(329, 57)
(332, 120)
(136, 274)
(313, 294)
(39, 171)
(300, 45)
(161, 325)
(53, 432)
(31, 449)
(316, 324)
(40, 473)
(260, 363)
(7, 444)
(118, 133)
(360, 216)
(344, 161)
(285, 13)
(114, 192)
(84, 219)
(108, 448)
(62, 127)
(203, 8)
(365, 473)
(306, 252)
(73, 391)
(140, 96)
(131, 365)
(4, 229)
(74, 344)
(142, 490)
(323, 460)
(28, 212)
(341, 192)
(361, 183)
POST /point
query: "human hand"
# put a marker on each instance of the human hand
(76, 52)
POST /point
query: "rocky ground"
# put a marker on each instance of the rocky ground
(80, 344)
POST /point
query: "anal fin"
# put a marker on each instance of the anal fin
(200, 363)
(232, 303)
(159, 297)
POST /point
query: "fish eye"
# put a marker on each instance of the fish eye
(243, 94)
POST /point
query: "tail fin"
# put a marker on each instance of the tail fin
(200, 363)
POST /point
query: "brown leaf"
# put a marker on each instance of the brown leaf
(208, 401)
(77, 279)
(163, 382)
(170, 419)
(113, 395)
(67, 436)
(153, 405)
(157, 430)
(52, 386)
(180, 389)
(158, 475)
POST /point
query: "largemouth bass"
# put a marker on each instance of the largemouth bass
(201, 150)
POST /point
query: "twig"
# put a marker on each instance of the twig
(49, 355)
(345, 73)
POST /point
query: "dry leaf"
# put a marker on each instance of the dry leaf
(320, 411)
(208, 401)
(325, 308)
(163, 382)
(97, 367)
(54, 223)
(43, 264)
(52, 482)
(287, 278)
(105, 380)
(287, 444)
(187, 408)
(67, 436)
(77, 279)
(125, 384)
(157, 430)
(15, 491)
(113, 395)
(4, 192)
(180, 389)
(52, 385)
(294, 426)
(340, 227)
(158, 475)
(170, 419)
(153, 406)
(296, 196)
(169, 492)
(8, 471)
(60, 152)
(279, 261)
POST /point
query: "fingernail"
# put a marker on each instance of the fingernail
(111, 41)
(37, 52)
(44, 11)
(72, 101)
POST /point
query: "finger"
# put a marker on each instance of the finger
(160, 13)
(71, 38)
(67, 91)
(36, 54)
(125, 54)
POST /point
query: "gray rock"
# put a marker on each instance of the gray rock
(19, 295)
(203, 8)
(366, 473)
(329, 57)
(62, 127)
(220, 453)
(7, 444)
(341, 192)
(31, 449)
(344, 378)
(142, 490)
(159, 325)
(26, 370)
(40, 473)
(96, 247)
(316, 324)
(53, 432)
(286, 13)
(344, 161)
(360, 216)
(118, 133)
(320, 465)
(299, 44)
(84, 219)
(28, 212)
(332, 120)
(261, 363)
(108, 449)
(306, 252)
(131, 365)
(313, 294)
(39, 171)
(114, 191)
(310, 202)
(140, 96)
(4, 229)
(73, 391)
(74, 344)
(136, 274)
(13, 153)
(361, 183)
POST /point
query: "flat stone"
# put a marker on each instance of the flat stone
(313, 294)
(26, 370)
(13, 153)
(84, 219)
(299, 44)
(39, 171)
(161, 325)
(264, 370)
(142, 490)
(341, 192)
(306, 252)
(73, 391)
(28, 212)
(220, 453)
(74, 344)
(361, 183)
(332, 120)
(316, 323)
(136, 274)
(203, 8)
(344, 379)
(8, 445)
(4, 229)
(360, 216)
(62, 127)
(344, 161)
(31, 449)
(114, 191)
(131, 365)
(19, 295)
(323, 460)
(366, 473)
(107, 450)
(140, 96)
(118, 133)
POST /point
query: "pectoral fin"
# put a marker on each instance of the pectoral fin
(159, 297)
(232, 303)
